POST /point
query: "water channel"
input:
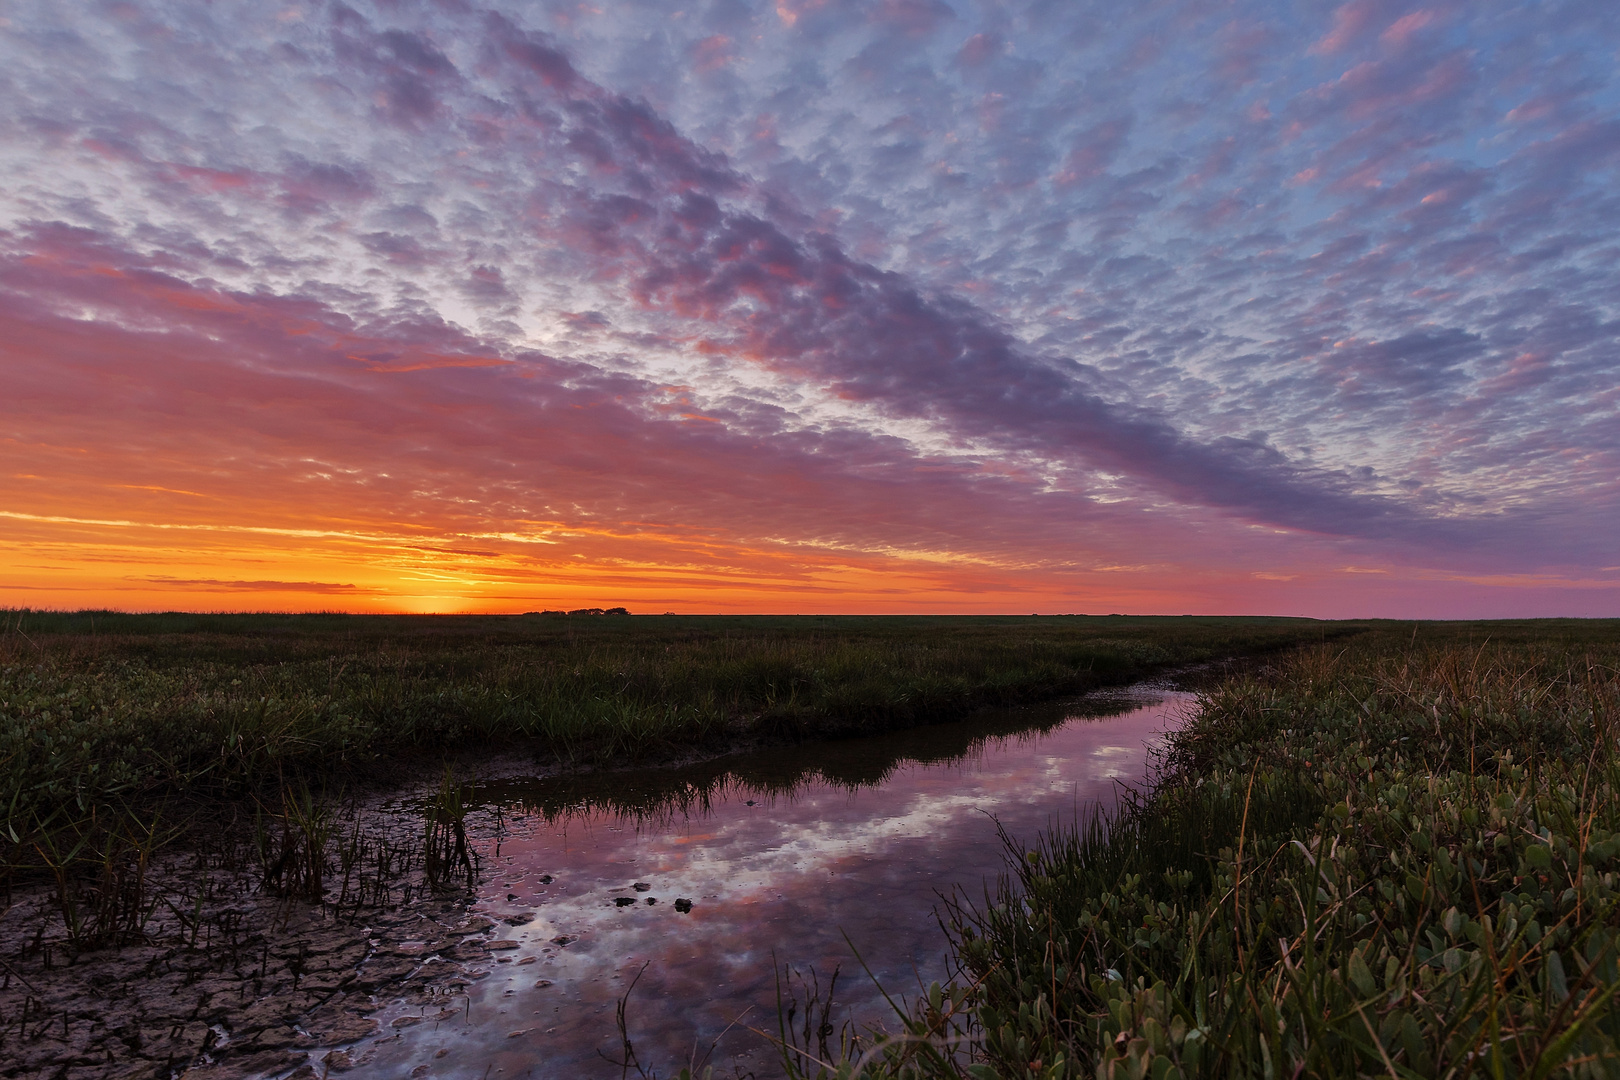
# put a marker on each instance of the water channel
(706, 879)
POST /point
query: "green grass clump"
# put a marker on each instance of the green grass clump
(1395, 857)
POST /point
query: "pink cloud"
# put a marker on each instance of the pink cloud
(913, 17)
(978, 49)
(714, 52)
(1350, 21)
(1093, 152)
(1406, 27)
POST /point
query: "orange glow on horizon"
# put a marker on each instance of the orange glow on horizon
(67, 562)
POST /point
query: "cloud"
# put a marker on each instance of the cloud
(215, 585)
(979, 48)
(276, 402)
(840, 274)
(1350, 22)
(913, 17)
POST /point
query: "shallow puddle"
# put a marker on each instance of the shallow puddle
(780, 855)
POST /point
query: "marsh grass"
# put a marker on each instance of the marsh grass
(449, 859)
(1393, 858)
(99, 877)
(292, 843)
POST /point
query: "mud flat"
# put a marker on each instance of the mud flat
(220, 977)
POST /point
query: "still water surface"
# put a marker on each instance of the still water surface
(782, 854)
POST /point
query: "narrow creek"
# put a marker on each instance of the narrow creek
(707, 879)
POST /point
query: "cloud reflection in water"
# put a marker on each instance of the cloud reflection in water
(783, 853)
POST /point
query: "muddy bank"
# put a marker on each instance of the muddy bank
(223, 979)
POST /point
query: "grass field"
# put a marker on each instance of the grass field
(1387, 850)
(1393, 856)
(105, 717)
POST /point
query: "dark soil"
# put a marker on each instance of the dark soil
(241, 984)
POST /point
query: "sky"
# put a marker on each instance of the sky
(1214, 306)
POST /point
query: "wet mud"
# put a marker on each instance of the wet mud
(226, 980)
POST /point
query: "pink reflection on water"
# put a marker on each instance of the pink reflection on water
(773, 879)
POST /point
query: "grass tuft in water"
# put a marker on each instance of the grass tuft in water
(292, 843)
(448, 859)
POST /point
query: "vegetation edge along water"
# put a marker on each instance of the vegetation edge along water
(1391, 856)
(106, 717)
